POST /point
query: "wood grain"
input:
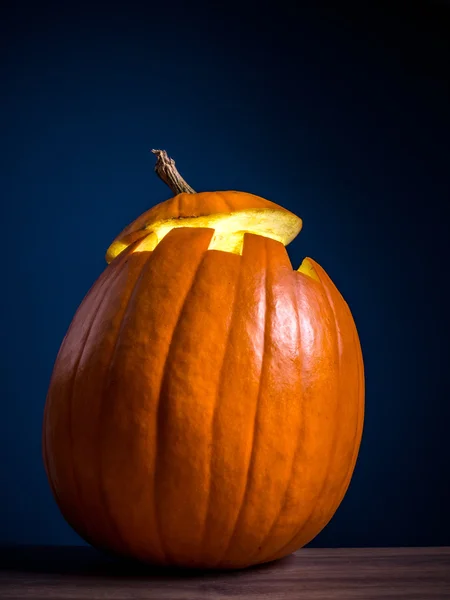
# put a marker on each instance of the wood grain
(79, 573)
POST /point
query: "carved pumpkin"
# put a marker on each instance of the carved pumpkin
(206, 405)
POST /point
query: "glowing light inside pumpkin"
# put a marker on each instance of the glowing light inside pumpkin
(229, 230)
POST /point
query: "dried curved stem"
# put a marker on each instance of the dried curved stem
(167, 172)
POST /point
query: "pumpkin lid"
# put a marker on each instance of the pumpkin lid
(230, 213)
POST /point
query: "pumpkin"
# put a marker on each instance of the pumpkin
(206, 404)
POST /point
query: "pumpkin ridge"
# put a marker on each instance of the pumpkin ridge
(135, 391)
(359, 422)
(71, 392)
(219, 387)
(350, 467)
(97, 286)
(106, 385)
(334, 436)
(357, 434)
(225, 201)
(45, 452)
(284, 500)
(159, 426)
(255, 420)
(178, 203)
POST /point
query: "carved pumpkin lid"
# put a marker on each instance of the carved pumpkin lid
(230, 213)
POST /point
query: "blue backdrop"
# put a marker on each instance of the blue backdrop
(339, 116)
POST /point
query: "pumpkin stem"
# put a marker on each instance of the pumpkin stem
(166, 170)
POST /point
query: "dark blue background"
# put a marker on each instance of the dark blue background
(341, 116)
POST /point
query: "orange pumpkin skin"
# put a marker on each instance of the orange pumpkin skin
(205, 408)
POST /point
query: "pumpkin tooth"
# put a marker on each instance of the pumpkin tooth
(148, 243)
(307, 268)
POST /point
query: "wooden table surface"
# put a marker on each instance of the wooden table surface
(79, 573)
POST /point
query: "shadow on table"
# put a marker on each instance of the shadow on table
(85, 561)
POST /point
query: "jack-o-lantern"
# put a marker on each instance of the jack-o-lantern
(206, 405)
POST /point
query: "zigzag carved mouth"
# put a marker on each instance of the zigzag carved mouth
(229, 230)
